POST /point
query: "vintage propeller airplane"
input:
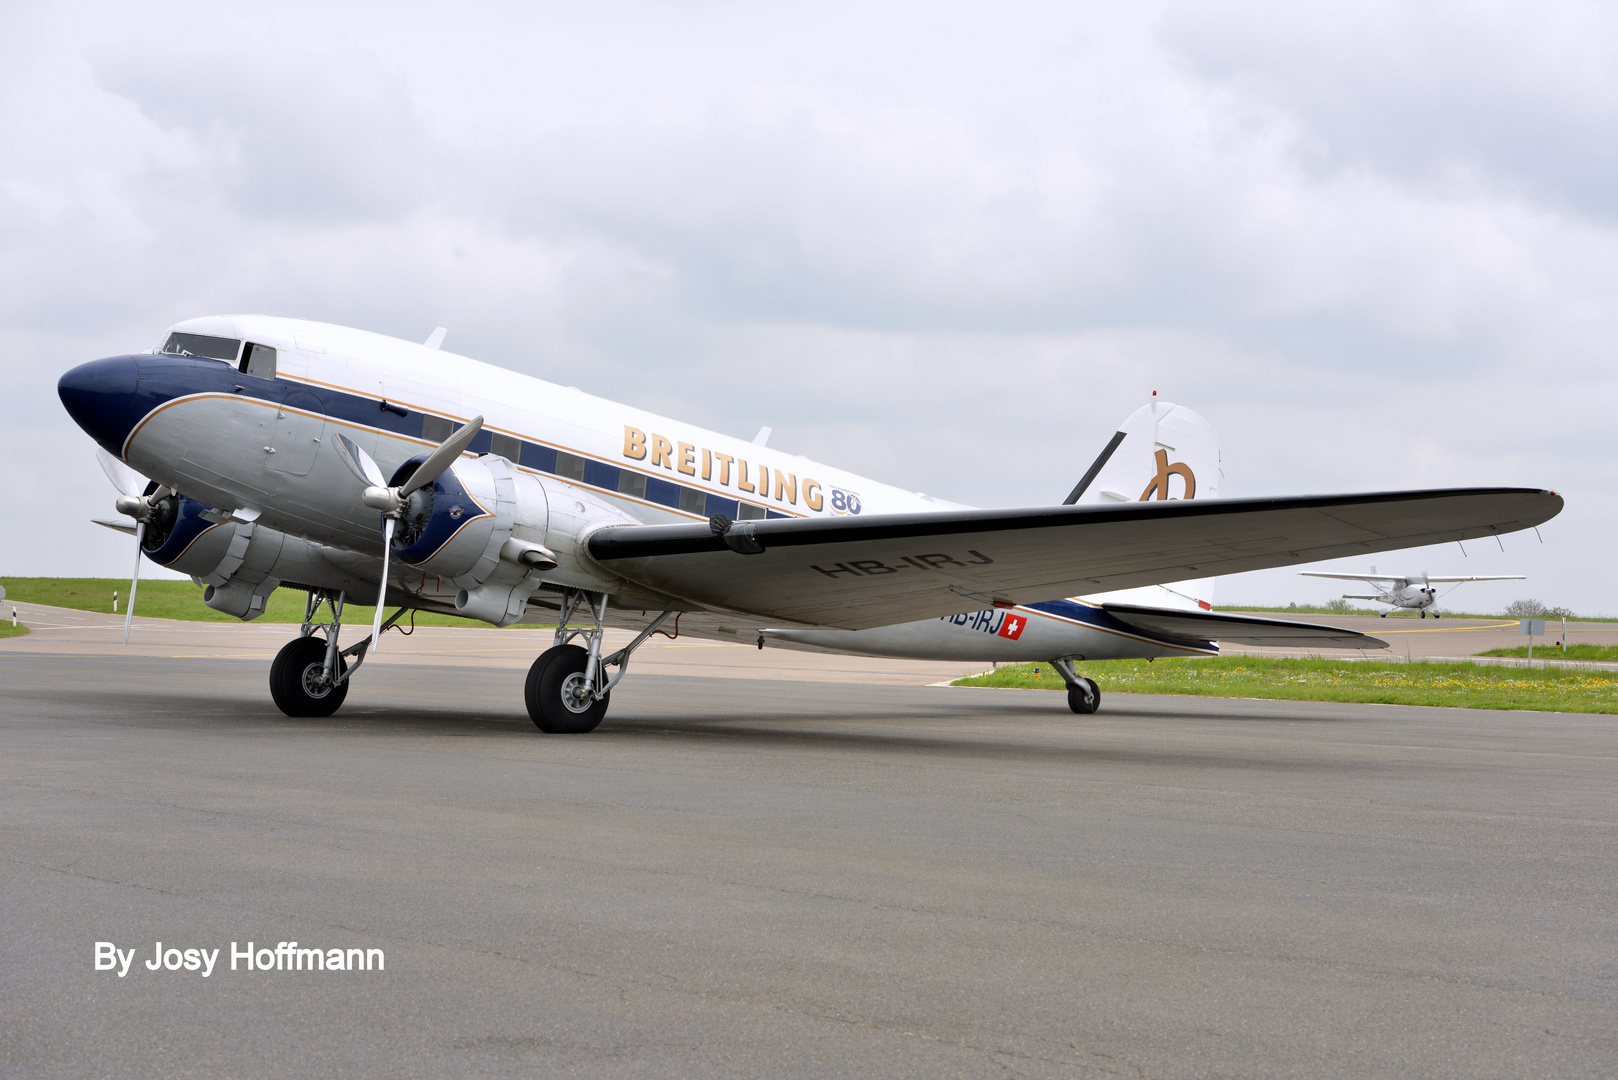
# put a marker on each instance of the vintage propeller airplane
(345, 463)
(1415, 592)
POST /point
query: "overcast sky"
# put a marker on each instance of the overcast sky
(947, 246)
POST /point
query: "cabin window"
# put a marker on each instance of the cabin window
(258, 360)
(749, 512)
(436, 428)
(505, 446)
(214, 348)
(693, 501)
(570, 466)
(632, 484)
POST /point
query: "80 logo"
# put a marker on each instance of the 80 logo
(844, 502)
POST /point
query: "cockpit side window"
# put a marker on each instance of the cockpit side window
(258, 360)
(214, 348)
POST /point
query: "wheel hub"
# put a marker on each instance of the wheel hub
(315, 683)
(576, 696)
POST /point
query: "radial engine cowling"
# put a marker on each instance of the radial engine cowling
(234, 559)
(456, 529)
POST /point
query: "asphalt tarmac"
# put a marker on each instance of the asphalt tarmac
(769, 877)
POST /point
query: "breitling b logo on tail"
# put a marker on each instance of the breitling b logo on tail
(1160, 482)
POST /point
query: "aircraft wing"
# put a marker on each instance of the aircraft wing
(1240, 629)
(874, 570)
(1353, 577)
(1490, 577)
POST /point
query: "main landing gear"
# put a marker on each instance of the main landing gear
(1083, 695)
(309, 676)
(568, 689)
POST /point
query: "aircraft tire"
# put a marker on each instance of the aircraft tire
(1083, 703)
(288, 687)
(542, 693)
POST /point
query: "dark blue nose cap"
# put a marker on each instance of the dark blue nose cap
(101, 398)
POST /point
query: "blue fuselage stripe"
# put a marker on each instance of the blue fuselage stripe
(112, 418)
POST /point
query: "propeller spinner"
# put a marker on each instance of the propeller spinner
(392, 502)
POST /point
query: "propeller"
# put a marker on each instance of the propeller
(133, 503)
(391, 501)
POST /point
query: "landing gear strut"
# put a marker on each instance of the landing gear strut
(1083, 695)
(309, 676)
(568, 689)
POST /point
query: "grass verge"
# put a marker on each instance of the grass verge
(1457, 685)
(1545, 650)
(168, 599)
(7, 630)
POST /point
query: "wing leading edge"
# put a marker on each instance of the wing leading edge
(858, 572)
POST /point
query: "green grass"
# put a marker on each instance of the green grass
(1548, 650)
(167, 599)
(1456, 685)
(7, 630)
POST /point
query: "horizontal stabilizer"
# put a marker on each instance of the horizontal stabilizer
(1240, 629)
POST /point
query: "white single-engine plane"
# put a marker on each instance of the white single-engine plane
(349, 464)
(1415, 592)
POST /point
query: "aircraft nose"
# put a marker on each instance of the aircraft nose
(100, 397)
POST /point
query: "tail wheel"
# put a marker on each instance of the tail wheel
(295, 681)
(555, 693)
(1084, 698)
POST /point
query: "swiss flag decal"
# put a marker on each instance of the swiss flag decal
(1011, 626)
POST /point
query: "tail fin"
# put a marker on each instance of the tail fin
(1162, 452)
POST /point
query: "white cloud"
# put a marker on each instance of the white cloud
(948, 245)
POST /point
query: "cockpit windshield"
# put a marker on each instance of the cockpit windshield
(214, 348)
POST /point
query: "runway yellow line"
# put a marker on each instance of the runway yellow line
(1449, 629)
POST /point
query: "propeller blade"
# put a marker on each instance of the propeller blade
(381, 597)
(361, 464)
(126, 480)
(126, 527)
(134, 582)
(442, 458)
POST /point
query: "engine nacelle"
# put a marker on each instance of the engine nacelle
(233, 559)
(456, 528)
(486, 534)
